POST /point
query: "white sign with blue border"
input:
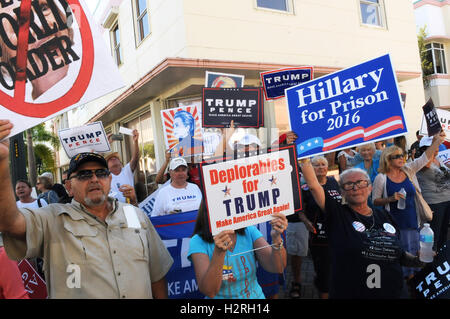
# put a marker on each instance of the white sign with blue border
(346, 108)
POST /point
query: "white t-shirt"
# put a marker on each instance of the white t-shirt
(32, 204)
(126, 176)
(170, 199)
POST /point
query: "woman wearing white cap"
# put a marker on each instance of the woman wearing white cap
(180, 195)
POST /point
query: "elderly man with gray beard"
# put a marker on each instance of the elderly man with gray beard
(93, 247)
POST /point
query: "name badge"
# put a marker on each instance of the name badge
(131, 217)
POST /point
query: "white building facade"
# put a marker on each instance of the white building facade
(164, 47)
(434, 15)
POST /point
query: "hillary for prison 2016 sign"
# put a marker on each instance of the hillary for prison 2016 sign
(346, 108)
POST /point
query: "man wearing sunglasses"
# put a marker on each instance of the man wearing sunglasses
(93, 247)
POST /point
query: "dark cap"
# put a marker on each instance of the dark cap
(82, 158)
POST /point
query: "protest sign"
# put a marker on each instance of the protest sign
(86, 138)
(431, 118)
(276, 81)
(125, 131)
(444, 156)
(223, 80)
(444, 119)
(54, 59)
(183, 130)
(34, 284)
(221, 106)
(346, 108)
(248, 190)
(176, 231)
(433, 281)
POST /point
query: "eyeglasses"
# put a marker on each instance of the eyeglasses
(393, 157)
(87, 174)
(362, 183)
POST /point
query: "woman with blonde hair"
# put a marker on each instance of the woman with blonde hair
(394, 175)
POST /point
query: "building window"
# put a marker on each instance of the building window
(115, 38)
(436, 55)
(371, 12)
(282, 5)
(142, 25)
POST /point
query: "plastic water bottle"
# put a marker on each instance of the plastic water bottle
(401, 203)
(426, 244)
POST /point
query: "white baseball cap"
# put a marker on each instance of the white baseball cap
(178, 161)
(426, 141)
(248, 139)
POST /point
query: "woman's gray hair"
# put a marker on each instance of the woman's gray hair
(319, 158)
(371, 145)
(352, 171)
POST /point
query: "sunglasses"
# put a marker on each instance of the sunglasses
(87, 174)
(393, 157)
(362, 183)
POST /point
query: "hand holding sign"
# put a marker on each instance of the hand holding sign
(5, 129)
(279, 224)
(224, 240)
(431, 117)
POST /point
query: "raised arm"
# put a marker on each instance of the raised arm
(313, 184)
(136, 154)
(160, 177)
(223, 146)
(438, 139)
(11, 220)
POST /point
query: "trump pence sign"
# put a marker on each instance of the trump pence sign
(346, 108)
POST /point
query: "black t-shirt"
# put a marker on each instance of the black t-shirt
(365, 253)
(315, 214)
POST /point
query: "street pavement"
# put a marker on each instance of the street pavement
(308, 290)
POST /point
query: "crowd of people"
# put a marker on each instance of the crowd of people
(90, 224)
(358, 219)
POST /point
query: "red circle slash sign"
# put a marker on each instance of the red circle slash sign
(17, 103)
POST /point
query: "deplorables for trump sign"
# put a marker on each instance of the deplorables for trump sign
(221, 106)
(248, 190)
(87, 138)
(277, 81)
(53, 58)
(346, 108)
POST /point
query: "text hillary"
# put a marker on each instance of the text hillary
(335, 87)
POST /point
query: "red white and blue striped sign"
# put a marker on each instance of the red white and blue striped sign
(346, 108)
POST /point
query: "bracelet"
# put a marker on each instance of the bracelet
(279, 246)
(304, 160)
